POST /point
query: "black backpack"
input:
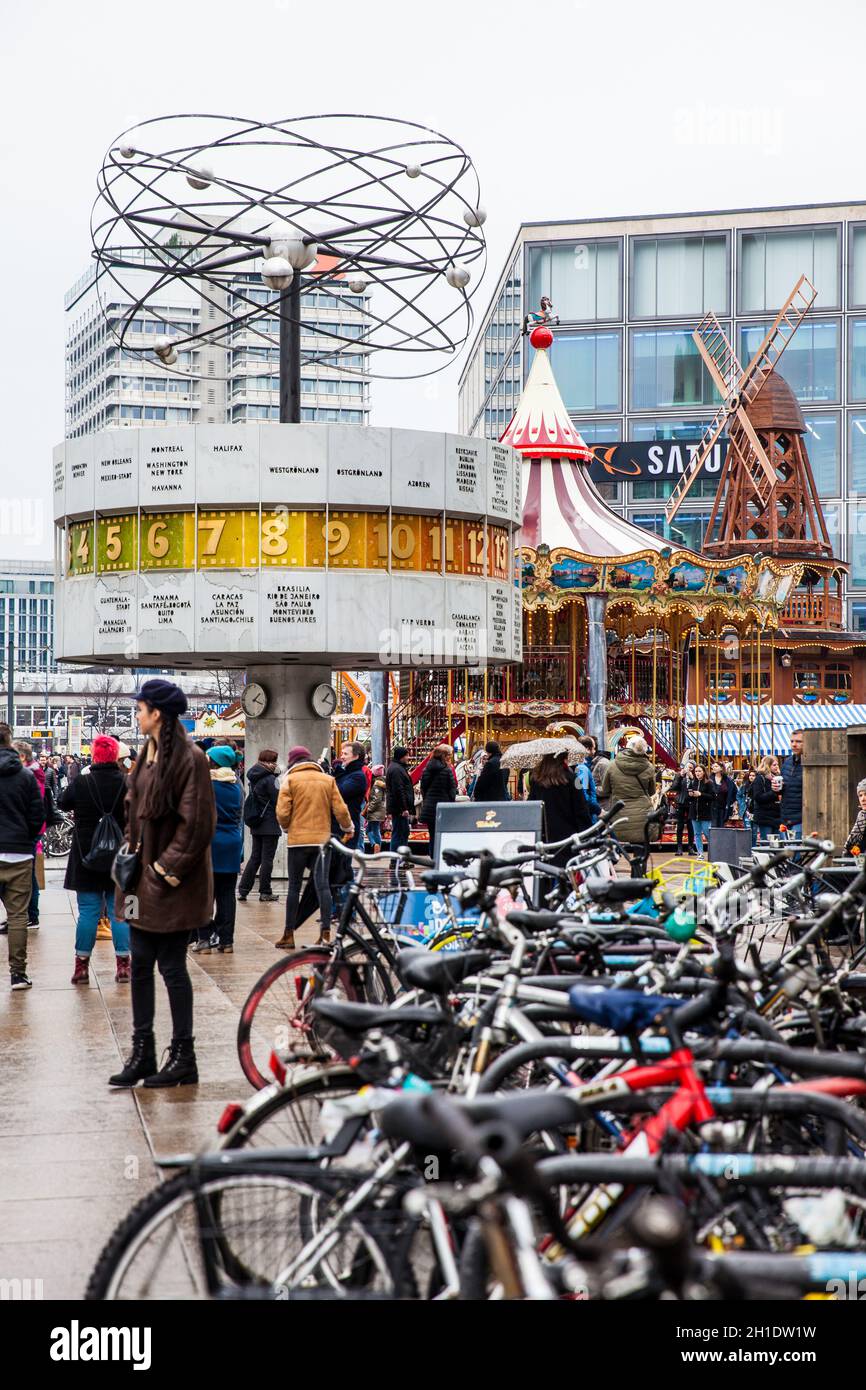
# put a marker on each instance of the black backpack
(107, 837)
(255, 809)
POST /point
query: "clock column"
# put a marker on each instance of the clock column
(288, 720)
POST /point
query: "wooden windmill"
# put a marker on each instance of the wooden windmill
(767, 500)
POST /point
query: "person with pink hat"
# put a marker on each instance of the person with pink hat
(102, 793)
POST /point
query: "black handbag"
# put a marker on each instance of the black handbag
(126, 868)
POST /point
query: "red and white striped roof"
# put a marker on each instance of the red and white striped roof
(563, 507)
(561, 504)
(541, 423)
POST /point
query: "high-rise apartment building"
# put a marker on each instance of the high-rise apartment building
(27, 614)
(108, 387)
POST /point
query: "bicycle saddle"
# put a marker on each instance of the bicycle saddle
(360, 1018)
(621, 1010)
(407, 1119)
(438, 971)
(618, 890)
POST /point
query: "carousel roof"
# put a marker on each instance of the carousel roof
(561, 504)
(541, 424)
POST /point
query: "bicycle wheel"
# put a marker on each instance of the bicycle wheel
(290, 1118)
(257, 1224)
(277, 1014)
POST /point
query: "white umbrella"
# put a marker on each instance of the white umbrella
(529, 754)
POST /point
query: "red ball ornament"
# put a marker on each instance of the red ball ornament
(541, 337)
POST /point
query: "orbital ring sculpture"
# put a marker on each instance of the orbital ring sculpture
(250, 213)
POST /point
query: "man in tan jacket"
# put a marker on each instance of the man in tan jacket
(308, 800)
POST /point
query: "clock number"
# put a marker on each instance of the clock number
(435, 534)
(475, 537)
(82, 551)
(402, 541)
(274, 538)
(113, 544)
(214, 526)
(157, 540)
(337, 535)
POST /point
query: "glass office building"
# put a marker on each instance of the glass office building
(27, 615)
(629, 291)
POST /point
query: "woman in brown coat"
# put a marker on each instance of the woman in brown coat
(170, 822)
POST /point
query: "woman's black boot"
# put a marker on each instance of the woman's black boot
(140, 1063)
(180, 1068)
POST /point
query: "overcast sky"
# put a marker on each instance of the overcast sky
(569, 108)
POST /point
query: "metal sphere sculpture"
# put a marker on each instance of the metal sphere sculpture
(240, 209)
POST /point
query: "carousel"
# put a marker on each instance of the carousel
(719, 652)
(615, 618)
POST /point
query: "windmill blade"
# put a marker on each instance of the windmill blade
(782, 330)
(693, 467)
(719, 357)
(742, 434)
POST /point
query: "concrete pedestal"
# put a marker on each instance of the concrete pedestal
(287, 722)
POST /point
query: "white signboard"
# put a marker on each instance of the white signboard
(59, 481)
(499, 635)
(293, 611)
(166, 611)
(227, 464)
(227, 611)
(466, 620)
(500, 481)
(166, 467)
(359, 466)
(116, 468)
(465, 475)
(74, 740)
(417, 470)
(79, 475)
(293, 464)
(116, 605)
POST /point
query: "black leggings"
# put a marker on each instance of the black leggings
(167, 950)
(262, 852)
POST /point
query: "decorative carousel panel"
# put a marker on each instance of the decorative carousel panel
(631, 576)
(570, 572)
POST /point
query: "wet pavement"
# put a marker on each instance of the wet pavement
(75, 1155)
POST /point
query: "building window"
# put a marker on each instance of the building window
(667, 370)
(599, 431)
(858, 617)
(857, 545)
(587, 368)
(679, 275)
(811, 365)
(857, 454)
(857, 363)
(771, 263)
(857, 266)
(581, 278)
(822, 445)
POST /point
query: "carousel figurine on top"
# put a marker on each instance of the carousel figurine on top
(542, 316)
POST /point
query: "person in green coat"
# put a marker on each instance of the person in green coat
(630, 778)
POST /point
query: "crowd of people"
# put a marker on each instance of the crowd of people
(181, 810)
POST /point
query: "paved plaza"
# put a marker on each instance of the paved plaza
(75, 1155)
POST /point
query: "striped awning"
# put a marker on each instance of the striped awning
(741, 731)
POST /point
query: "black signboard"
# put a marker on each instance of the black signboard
(660, 460)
